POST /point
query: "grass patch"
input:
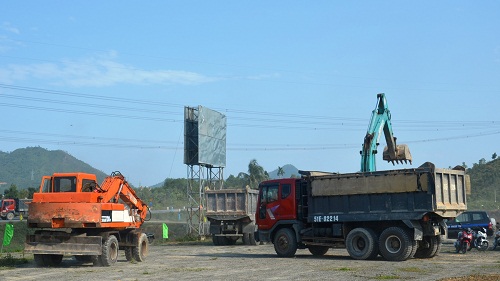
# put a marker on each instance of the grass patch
(412, 269)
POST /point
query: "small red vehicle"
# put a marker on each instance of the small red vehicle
(464, 240)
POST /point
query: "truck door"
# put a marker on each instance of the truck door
(46, 185)
(268, 199)
(276, 203)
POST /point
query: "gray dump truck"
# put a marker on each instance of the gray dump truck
(231, 213)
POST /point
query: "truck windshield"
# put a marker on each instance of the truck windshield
(47, 184)
(269, 193)
(67, 184)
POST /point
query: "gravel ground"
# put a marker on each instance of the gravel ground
(239, 262)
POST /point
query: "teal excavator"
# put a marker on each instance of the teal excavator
(381, 122)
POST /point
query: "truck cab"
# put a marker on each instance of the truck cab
(68, 182)
(7, 208)
(277, 205)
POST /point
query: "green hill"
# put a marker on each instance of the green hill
(289, 171)
(25, 167)
(485, 184)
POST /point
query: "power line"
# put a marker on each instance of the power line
(343, 122)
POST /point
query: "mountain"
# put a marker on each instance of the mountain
(290, 171)
(25, 167)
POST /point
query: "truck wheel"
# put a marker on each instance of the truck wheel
(249, 239)
(129, 256)
(39, 260)
(140, 251)
(109, 251)
(285, 243)
(252, 239)
(395, 244)
(428, 247)
(83, 259)
(361, 244)
(53, 260)
(215, 240)
(230, 240)
(246, 238)
(47, 260)
(10, 216)
(318, 250)
(222, 241)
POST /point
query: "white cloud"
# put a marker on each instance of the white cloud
(8, 27)
(98, 72)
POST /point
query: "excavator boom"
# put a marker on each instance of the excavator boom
(381, 123)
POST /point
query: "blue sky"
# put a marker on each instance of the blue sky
(108, 81)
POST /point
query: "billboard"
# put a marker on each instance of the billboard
(204, 137)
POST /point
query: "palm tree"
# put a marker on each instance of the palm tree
(256, 174)
(281, 172)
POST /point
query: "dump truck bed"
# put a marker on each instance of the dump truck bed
(231, 204)
(387, 195)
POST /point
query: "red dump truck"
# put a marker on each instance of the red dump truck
(398, 214)
(11, 208)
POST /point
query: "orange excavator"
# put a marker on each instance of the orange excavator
(73, 215)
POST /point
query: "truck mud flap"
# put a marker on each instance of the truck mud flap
(63, 245)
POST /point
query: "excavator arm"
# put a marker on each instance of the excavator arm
(381, 122)
(115, 188)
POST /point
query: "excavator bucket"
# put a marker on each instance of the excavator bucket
(402, 154)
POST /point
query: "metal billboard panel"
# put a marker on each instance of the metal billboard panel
(211, 137)
(204, 137)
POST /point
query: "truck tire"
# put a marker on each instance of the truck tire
(361, 244)
(10, 216)
(109, 251)
(43, 260)
(39, 260)
(83, 259)
(429, 247)
(215, 240)
(249, 239)
(222, 241)
(253, 242)
(140, 250)
(229, 240)
(285, 243)
(395, 244)
(318, 250)
(129, 256)
(246, 238)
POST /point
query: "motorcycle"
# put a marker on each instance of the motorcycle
(480, 240)
(497, 240)
(464, 241)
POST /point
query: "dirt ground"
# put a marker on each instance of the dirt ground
(239, 262)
